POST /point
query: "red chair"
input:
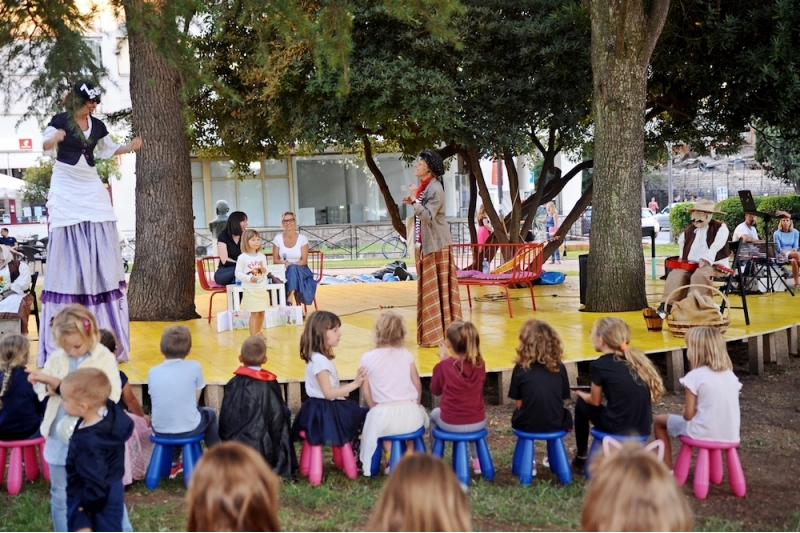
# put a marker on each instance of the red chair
(206, 266)
(315, 260)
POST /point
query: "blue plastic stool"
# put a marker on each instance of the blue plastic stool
(461, 454)
(522, 464)
(161, 460)
(597, 443)
(398, 448)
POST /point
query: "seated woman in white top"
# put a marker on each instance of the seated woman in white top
(15, 280)
(291, 249)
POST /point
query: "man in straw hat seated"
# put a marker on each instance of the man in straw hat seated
(704, 242)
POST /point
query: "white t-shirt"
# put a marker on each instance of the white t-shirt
(246, 265)
(742, 229)
(389, 374)
(317, 364)
(717, 416)
(294, 253)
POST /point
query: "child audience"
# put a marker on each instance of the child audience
(392, 389)
(327, 416)
(711, 411)
(629, 382)
(458, 378)
(631, 490)
(233, 489)
(96, 456)
(422, 494)
(76, 333)
(175, 387)
(20, 409)
(138, 448)
(253, 410)
(251, 270)
(539, 382)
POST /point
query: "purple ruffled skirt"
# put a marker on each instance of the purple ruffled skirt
(84, 266)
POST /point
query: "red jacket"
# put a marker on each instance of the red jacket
(461, 388)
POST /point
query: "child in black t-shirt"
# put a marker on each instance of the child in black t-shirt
(628, 380)
(539, 383)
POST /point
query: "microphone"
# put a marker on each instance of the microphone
(284, 257)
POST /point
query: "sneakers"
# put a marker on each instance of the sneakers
(176, 469)
(476, 465)
(546, 462)
(579, 464)
(533, 472)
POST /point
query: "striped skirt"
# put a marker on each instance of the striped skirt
(438, 300)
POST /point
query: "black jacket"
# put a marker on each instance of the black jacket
(254, 413)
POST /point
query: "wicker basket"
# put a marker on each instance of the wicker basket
(679, 329)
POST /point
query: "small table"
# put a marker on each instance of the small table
(277, 293)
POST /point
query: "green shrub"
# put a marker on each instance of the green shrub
(770, 204)
(679, 218)
(735, 214)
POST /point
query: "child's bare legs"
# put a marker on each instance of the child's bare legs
(256, 322)
(660, 428)
(795, 257)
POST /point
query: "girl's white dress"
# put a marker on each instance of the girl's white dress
(250, 265)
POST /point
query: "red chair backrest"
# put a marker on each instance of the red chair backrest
(315, 260)
(205, 272)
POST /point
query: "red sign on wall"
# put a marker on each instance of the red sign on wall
(26, 144)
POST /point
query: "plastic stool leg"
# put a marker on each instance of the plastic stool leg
(526, 463)
(515, 460)
(461, 461)
(3, 454)
(153, 475)
(715, 472)
(438, 448)
(305, 458)
(736, 474)
(166, 461)
(191, 454)
(594, 449)
(31, 463)
(701, 469)
(348, 460)
(682, 464)
(336, 451)
(315, 466)
(398, 448)
(14, 482)
(485, 459)
(376, 458)
(559, 464)
(45, 466)
(419, 445)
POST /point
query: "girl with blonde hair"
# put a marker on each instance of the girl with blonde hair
(539, 382)
(631, 490)
(551, 225)
(392, 390)
(251, 270)
(233, 489)
(20, 410)
(422, 494)
(711, 409)
(629, 382)
(458, 378)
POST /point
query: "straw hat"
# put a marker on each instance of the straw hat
(707, 206)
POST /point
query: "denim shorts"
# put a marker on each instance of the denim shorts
(676, 425)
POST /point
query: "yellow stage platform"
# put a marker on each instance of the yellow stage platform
(359, 305)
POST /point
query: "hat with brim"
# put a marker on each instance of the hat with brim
(707, 206)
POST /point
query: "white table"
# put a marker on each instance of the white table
(277, 292)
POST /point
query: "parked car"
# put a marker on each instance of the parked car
(586, 221)
(663, 215)
(649, 219)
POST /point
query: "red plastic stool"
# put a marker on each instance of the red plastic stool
(311, 461)
(709, 467)
(22, 451)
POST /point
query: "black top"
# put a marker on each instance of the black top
(628, 408)
(233, 249)
(75, 144)
(542, 393)
(22, 411)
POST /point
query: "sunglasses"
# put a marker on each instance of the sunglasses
(94, 101)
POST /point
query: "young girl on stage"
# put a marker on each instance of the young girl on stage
(20, 410)
(539, 382)
(711, 411)
(251, 270)
(458, 378)
(629, 382)
(327, 416)
(392, 389)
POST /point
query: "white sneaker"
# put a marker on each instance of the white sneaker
(476, 465)
(546, 462)
(533, 473)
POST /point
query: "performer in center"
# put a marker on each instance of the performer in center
(704, 242)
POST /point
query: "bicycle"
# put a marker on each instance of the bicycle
(394, 248)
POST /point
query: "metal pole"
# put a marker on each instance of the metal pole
(669, 180)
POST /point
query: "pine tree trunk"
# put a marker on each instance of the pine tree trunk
(162, 283)
(623, 36)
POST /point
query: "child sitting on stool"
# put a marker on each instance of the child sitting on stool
(254, 413)
(175, 387)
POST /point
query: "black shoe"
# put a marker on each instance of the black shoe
(401, 273)
(579, 465)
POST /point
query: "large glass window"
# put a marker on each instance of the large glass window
(251, 201)
(198, 204)
(224, 190)
(277, 200)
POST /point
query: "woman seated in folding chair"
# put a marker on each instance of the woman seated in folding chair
(787, 243)
(290, 248)
(15, 280)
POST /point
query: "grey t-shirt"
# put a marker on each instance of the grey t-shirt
(173, 387)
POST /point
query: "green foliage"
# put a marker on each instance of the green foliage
(771, 204)
(779, 154)
(37, 178)
(679, 217)
(735, 214)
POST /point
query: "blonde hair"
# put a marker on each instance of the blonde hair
(313, 338)
(14, 351)
(632, 490)
(233, 489)
(75, 318)
(615, 332)
(706, 347)
(465, 341)
(87, 385)
(791, 224)
(254, 351)
(390, 330)
(244, 241)
(422, 494)
(176, 342)
(539, 343)
(550, 206)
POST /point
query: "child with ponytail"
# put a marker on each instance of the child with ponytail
(20, 409)
(629, 382)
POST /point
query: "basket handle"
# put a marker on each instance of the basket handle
(725, 298)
